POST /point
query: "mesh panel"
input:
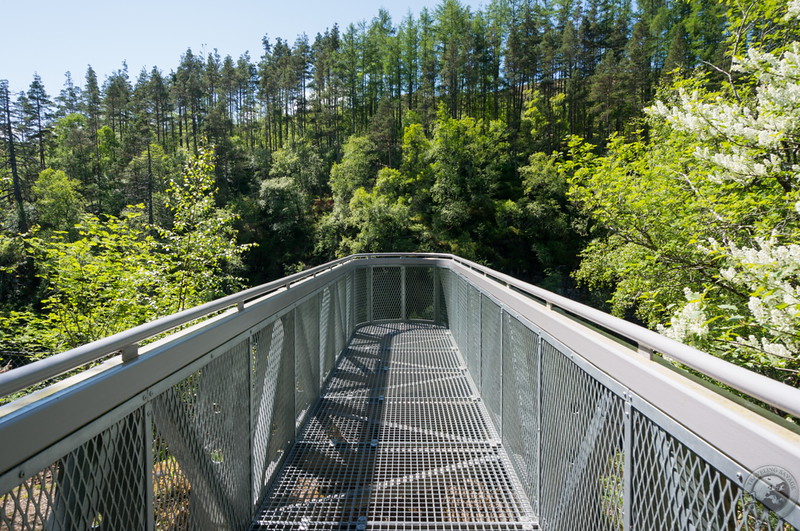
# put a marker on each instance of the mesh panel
(342, 313)
(447, 297)
(306, 357)
(398, 440)
(273, 400)
(675, 488)
(387, 297)
(460, 301)
(202, 444)
(99, 485)
(327, 332)
(361, 295)
(491, 359)
(419, 293)
(349, 311)
(442, 285)
(582, 437)
(521, 401)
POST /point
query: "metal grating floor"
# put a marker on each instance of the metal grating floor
(398, 440)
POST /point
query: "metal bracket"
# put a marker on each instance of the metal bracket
(130, 352)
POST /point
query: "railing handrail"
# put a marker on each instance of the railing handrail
(52, 366)
(763, 388)
(769, 391)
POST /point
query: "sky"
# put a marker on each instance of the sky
(54, 36)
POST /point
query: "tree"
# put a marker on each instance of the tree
(453, 23)
(300, 162)
(357, 169)
(201, 252)
(91, 102)
(117, 274)
(59, 205)
(68, 100)
(703, 216)
(469, 158)
(75, 153)
(39, 113)
(10, 141)
(99, 284)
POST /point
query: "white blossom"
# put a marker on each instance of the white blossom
(793, 10)
(690, 321)
(748, 138)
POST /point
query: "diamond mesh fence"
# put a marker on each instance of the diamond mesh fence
(200, 452)
(490, 329)
(565, 434)
(521, 401)
(673, 487)
(581, 447)
(361, 295)
(201, 426)
(307, 357)
(387, 293)
(327, 333)
(98, 485)
(272, 409)
(390, 398)
(419, 296)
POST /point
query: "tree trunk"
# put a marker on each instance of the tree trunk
(12, 158)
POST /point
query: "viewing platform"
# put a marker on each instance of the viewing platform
(395, 391)
(399, 440)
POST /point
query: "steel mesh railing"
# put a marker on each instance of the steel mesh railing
(589, 452)
(193, 432)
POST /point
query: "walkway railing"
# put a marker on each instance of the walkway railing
(188, 431)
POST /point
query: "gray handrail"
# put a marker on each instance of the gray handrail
(33, 373)
(769, 391)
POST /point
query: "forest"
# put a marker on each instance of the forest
(642, 157)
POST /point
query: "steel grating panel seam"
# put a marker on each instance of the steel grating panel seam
(399, 439)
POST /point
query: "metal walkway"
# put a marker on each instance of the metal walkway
(385, 392)
(399, 440)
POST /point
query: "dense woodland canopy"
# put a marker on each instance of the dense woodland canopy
(515, 135)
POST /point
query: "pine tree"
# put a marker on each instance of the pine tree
(10, 141)
(68, 100)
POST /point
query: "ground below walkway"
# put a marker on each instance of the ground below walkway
(398, 440)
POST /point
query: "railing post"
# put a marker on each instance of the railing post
(403, 315)
(539, 371)
(627, 470)
(147, 441)
(293, 378)
(351, 305)
(251, 366)
(502, 372)
(436, 303)
(370, 294)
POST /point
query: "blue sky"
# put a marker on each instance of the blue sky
(53, 36)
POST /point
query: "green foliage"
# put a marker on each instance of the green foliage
(74, 151)
(113, 273)
(334, 145)
(356, 170)
(470, 157)
(200, 248)
(702, 216)
(59, 205)
(105, 281)
(300, 162)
